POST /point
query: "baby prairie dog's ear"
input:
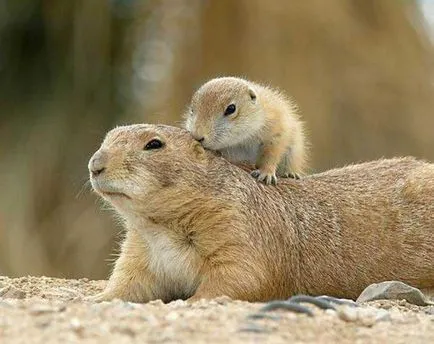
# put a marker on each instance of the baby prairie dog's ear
(252, 94)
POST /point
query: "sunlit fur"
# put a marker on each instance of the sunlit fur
(265, 131)
(198, 226)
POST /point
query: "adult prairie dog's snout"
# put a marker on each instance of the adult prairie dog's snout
(97, 164)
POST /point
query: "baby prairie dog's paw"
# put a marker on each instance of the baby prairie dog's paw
(293, 175)
(266, 178)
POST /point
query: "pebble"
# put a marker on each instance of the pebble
(177, 304)
(10, 292)
(75, 324)
(156, 303)
(200, 304)
(125, 330)
(171, 316)
(42, 322)
(430, 311)
(5, 304)
(362, 316)
(151, 319)
(250, 327)
(393, 290)
(223, 300)
(39, 309)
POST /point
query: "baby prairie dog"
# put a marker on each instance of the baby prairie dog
(251, 123)
(198, 226)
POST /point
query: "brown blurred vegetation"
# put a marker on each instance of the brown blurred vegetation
(361, 72)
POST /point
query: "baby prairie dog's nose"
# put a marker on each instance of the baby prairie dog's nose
(98, 163)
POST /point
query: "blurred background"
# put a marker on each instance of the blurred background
(361, 72)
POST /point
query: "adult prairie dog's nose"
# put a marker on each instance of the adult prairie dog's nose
(98, 163)
(198, 138)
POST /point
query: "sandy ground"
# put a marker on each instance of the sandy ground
(49, 310)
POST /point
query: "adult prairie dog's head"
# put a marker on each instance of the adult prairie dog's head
(136, 163)
(224, 112)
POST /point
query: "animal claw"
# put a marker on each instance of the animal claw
(266, 178)
(292, 175)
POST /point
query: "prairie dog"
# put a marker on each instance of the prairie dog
(198, 226)
(249, 122)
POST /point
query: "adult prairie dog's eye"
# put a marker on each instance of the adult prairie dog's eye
(153, 144)
(230, 110)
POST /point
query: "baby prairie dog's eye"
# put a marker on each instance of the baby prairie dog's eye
(230, 110)
(153, 144)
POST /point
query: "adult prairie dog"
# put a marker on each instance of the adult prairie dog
(198, 226)
(248, 122)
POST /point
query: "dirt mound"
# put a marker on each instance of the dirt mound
(50, 310)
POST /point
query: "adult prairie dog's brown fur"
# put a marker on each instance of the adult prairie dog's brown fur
(248, 122)
(198, 226)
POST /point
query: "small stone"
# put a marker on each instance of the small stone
(177, 304)
(156, 303)
(151, 320)
(363, 316)
(43, 322)
(70, 291)
(386, 305)
(75, 324)
(262, 315)
(393, 290)
(128, 305)
(382, 315)
(223, 300)
(125, 330)
(42, 309)
(10, 292)
(348, 314)
(4, 304)
(430, 311)
(172, 316)
(330, 311)
(201, 304)
(250, 327)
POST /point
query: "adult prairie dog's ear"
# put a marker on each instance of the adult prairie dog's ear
(252, 94)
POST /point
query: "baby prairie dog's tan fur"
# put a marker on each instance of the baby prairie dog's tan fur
(198, 226)
(248, 122)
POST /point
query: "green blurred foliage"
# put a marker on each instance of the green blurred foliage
(361, 72)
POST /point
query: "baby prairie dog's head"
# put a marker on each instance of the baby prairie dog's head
(136, 163)
(224, 112)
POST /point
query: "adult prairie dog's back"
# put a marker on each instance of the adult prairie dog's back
(249, 122)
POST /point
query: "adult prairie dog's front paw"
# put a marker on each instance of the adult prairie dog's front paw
(267, 178)
(100, 297)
